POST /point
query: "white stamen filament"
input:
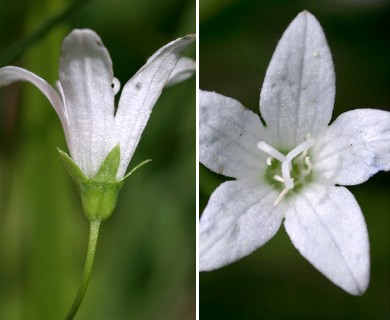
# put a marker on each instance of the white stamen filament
(281, 196)
(308, 163)
(304, 153)
(271, 151)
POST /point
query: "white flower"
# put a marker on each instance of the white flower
(84, 101)
(290, 169)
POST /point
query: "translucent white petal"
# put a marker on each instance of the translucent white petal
(355, 147)
(228, 137)
(141, 93)
(10, 74)
(299, 87)
(237, 220)
(327, 226)
(184, 69)
(86, 78)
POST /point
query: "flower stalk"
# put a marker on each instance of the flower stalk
(92, 242)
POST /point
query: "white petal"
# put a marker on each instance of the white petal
(299, 87)
(10, 74)
(355, 147)
(86, 77)
(184, 69)
(141, 93)
(237, 220)
(228, 137)
(326, 225)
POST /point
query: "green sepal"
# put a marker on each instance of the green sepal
(99, 194)
(138, 166)
(73, 169)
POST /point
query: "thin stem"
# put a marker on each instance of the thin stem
(93, 237)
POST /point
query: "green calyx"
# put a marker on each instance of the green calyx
(99, 194)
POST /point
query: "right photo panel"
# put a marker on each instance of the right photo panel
(294, 152)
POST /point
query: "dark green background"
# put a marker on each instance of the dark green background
(145, 261)
(237, 39)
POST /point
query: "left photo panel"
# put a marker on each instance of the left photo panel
(98, 159)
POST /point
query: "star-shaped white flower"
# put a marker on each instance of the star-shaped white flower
(84, 100)
(291, 168)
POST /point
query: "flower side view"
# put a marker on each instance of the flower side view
(96, 134)
(293, 167)
(102, 140)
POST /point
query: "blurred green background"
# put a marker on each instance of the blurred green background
(237, 39)
(145, 261)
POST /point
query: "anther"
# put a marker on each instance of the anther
(278, 178)
(269, 161)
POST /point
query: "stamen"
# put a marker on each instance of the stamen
(271, 151)
(281, 196)
(299, 148)
(278, 178)
(308, 163)
(288, 182)
(304, 153)
(116, 85)
(286, 167)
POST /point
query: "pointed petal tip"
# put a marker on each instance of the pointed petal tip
(190, 37)
(181, 42)
(85, 35)
(77, 39)
(330, 232)
(86, 32)
(306, 17)
(305, 14)
(361, 291)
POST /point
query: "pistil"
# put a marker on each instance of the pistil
(286, 164)
(271, 151)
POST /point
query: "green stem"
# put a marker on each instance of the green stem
(93, 237)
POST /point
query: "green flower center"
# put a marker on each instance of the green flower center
(291, 172)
